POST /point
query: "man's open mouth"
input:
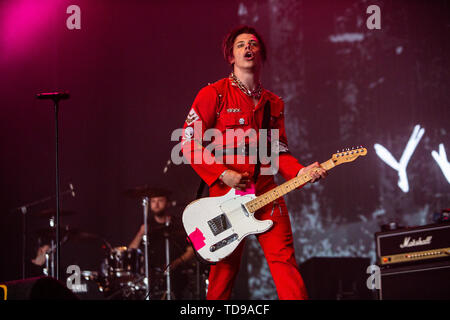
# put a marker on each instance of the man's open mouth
(249, 55)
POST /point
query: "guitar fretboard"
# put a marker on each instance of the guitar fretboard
(283, 189)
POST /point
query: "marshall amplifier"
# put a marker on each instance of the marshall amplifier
(424, 281)
(430, 242)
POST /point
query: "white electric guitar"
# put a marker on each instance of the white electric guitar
(216, 225)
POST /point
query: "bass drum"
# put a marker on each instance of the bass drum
(125, 264)
(89, 287)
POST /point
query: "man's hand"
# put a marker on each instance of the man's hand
(315, 171)
(236, 180)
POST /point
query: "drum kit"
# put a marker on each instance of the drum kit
(124, 273)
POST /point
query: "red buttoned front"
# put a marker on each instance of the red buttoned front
(224, 107)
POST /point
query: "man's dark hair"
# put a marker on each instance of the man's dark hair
(229, 39)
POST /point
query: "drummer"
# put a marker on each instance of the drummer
(181, 253)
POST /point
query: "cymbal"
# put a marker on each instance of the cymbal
(146, 191)
(48, 213)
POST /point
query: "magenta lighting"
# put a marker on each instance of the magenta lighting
(24, 23)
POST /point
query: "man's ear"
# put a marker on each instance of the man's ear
(231, 60)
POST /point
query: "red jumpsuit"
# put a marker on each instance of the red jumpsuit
(223, 106)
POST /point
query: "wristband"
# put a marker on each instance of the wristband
(221, 176)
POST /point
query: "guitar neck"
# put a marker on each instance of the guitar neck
(283, 189)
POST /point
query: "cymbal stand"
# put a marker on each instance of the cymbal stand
(52, 258)
(49, 269)
(52, 248)
(166, 240)
(145, 239)
(23, 210)
(47, 264)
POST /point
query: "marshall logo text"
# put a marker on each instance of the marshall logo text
(407, 242)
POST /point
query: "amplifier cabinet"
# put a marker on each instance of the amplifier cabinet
(427, 281)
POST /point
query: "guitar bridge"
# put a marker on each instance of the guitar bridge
(219, 224)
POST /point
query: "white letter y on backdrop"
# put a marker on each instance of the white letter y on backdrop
(400, 166)
(441, 159)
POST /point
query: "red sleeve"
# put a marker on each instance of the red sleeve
(202, 116)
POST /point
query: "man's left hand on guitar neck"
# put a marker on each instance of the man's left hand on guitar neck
(315, 171)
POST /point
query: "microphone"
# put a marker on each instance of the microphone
(53, 95)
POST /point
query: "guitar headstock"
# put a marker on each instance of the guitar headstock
(348, 155)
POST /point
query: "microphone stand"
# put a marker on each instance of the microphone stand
(40, 201)
(55, 96)
(58, 251)
(24, 210)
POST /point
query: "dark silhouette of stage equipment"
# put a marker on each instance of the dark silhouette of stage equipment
(336, 278)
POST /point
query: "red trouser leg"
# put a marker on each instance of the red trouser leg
(278, 247)
(222, 275)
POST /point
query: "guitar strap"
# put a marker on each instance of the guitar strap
(220, 93)
(265, 125)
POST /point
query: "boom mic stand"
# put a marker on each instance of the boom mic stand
(56, 96)
(24, 210)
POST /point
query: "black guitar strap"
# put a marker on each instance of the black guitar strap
(265, 125)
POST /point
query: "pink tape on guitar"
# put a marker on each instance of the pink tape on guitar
(197, 239)
(249, 190)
